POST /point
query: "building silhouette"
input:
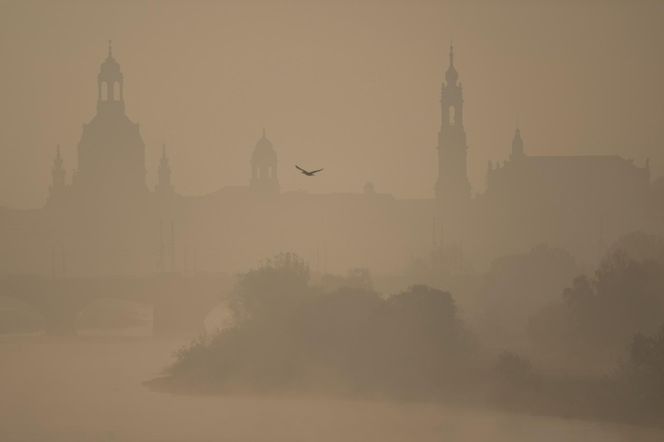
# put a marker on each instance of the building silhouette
(452, 186)
(264, 167)
(111, 152)
(569, 200)
(107, 220)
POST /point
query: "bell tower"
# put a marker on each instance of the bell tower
(452, 187)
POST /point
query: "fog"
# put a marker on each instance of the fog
(352, 86)
(90, 391)
(373, 220)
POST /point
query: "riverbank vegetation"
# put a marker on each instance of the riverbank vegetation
(291, 335)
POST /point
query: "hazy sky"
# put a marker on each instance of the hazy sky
(352, 86)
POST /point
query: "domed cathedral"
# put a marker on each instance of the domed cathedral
(264, 167)
(111, 152)
(452, 187)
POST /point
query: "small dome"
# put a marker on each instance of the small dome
(110, 66)
(264, 151)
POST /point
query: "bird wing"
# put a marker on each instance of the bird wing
(300, 169)
(316, 171)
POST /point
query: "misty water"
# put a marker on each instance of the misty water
(89, 388)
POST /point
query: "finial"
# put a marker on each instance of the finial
(163, 150)
(264, 133)
(110, 49)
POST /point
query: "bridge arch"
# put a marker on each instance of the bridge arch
(113, 316)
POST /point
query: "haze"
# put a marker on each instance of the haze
(331, 220)
(352, 86)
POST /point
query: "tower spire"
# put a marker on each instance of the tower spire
(451, 53)
(452, 187)
(517, 145)
(110, 95)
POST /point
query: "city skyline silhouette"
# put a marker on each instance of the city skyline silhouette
(564, 93)
(325, 220)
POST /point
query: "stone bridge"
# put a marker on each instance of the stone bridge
(180, 304)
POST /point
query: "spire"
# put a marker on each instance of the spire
(110, 95)
(451, 74)
(451, 54)
(264, 136)
(517, 145)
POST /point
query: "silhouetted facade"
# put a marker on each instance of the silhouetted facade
(111, 152)
(579, 202)
(108, 222)
(264, 166)
(452, 187)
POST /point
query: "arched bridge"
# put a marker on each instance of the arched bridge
(180, 303)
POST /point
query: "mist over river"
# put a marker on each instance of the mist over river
(89, 389)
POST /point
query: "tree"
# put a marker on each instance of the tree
(645, 369)
(271, 287)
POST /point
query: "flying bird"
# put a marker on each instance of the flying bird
(306, 172)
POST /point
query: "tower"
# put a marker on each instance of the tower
(110, 94)
(452, 187)
(264, 166)
(517, 146)
(164, 185)
(111, 153)
(58, 178)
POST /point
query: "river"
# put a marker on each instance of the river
(88, 389)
